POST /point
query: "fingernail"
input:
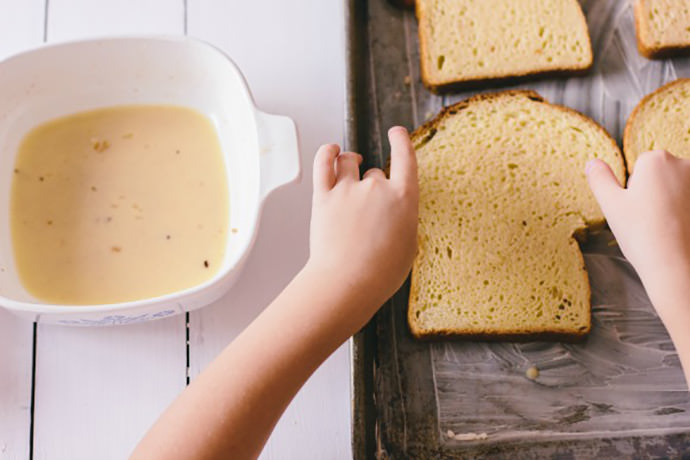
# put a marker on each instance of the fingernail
(397, 128)
(590, 165)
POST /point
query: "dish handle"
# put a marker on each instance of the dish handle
(279, 159)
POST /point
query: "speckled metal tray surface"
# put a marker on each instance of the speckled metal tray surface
(618, 394)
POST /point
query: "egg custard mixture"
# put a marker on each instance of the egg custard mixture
(119, 204)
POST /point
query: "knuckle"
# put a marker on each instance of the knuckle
(649, 160)
(375, 174)
(326, 150)
(407, 193)
(658, 156)
(655, 162)
(346, 158)
(370, 183)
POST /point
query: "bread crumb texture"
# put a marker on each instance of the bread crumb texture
(502, 193)
(466, 40)
(661, 121)
(662, 25)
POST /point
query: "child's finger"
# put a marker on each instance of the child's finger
(604, 184)
(374, 173)
(653, 161)
(403, 158)
(347, 167)
(324, 167)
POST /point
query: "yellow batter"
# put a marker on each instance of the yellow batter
(119, 204)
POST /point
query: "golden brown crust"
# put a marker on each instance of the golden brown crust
(441, 334)
(640, 30)
(447, 111)
(482, 82)
(423, 47)
(666, 52)
(509, 336)
(412, 322)
(627, 132)
(651, 51)
(423, 131)
(422, 135)
(497, 82)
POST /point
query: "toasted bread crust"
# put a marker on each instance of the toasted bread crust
(422, 135)
(421, 132)
(509, 336)
(498, 80)
(651, 51)
(444, 334)
(627, 132)
(423, 46)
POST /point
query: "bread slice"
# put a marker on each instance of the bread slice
(465, 41)
(502, 194)
(661, 121)
(662, 27)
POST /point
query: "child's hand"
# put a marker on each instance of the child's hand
(651, 222)
(363, 240)
(363, 232)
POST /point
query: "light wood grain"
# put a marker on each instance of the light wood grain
(21, 27)
(292, 55)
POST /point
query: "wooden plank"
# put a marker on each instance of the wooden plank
(16, 349)
(21, 27)
(293, 59)
(98, 390)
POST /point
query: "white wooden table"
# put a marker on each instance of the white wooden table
(68, 393)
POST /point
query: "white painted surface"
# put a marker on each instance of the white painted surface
(75, 19)
(97, 390)
(292, 55)
(16, 338)
(21, 27)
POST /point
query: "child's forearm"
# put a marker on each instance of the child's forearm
(673, 306)
(651, 222)
(231, 408)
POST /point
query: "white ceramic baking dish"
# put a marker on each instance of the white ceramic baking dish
(260, 150)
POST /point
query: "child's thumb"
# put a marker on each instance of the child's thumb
(603, 183)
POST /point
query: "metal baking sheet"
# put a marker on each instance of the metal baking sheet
(618, 394)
